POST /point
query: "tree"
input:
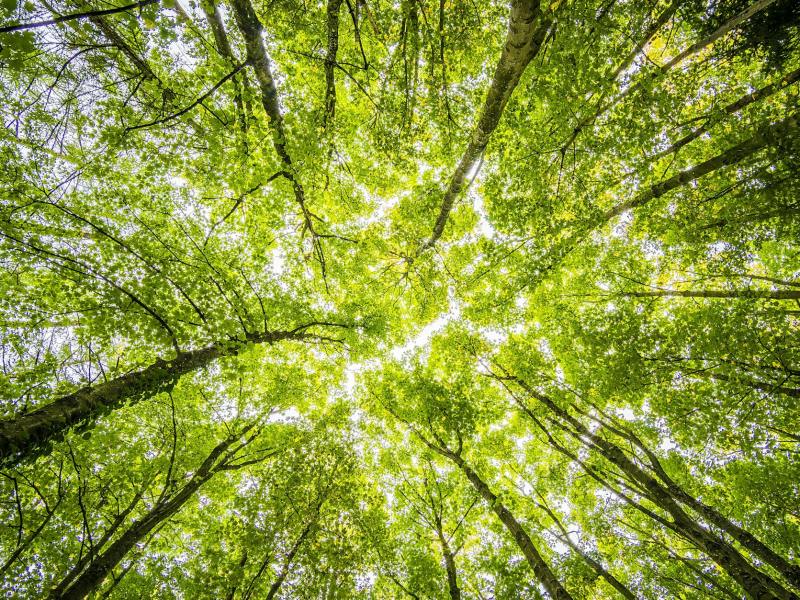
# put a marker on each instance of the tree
(426, 299)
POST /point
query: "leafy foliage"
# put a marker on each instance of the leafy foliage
(424, 298)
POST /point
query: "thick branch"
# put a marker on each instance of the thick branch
(161, 512)
(766, 294)
(755, 582)
(450, 567)
(224, 48)
(540, 567)
(115, 38)
(768, 135)
(594, 564)
(251, 29)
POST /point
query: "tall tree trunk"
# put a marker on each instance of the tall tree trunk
(767, 135)
(450, 567)
(596, 566)
(251, 30)
(732, 108)
(26, 436)
(754, 582)
(287, 563)
(330, 61)
(224, 48)
(87, 558)
(101, 566)
(767, 294)
(540, 567)
(527, 29)
(445, 84)
(661, 71)
(744, 537)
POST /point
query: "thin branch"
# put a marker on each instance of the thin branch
(74, 16)
(200, 100)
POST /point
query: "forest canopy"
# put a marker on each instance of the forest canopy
(465, 299)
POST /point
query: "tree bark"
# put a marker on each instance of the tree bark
(723, 29)
(276, 585)
(527, 29)
(251, 30)
(223, 44)
(768, 135)
(87, 558)
(745, 538)
(74, 16)
(540, 568)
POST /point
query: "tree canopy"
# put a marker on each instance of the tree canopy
(460, 299)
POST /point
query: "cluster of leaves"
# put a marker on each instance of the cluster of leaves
(374, 299)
